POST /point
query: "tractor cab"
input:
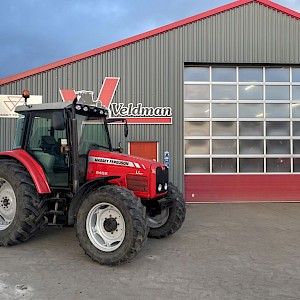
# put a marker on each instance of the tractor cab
(60, 135)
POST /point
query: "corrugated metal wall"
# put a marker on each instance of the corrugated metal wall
(151, 70)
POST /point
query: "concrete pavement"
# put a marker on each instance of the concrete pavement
(223, 251)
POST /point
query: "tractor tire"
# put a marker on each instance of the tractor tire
(170, 219)
(111, 225)
(21, 208)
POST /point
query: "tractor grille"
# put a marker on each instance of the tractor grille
(162, 180)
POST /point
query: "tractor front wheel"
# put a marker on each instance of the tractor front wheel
(111, 225)
(21, 209)
(170, 219)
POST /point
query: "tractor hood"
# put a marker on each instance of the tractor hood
(121, 160)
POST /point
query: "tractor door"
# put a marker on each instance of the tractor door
(46, 145)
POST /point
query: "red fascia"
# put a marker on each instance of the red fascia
(148, 34)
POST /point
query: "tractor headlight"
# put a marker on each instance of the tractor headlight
(166, 186)
(101, 112)
(159, 188)
(78, 107)
(85, 108)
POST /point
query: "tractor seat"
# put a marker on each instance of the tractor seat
(50, 145)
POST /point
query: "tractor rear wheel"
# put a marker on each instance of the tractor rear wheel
(21, 209)
(111, 225)
(170, 219)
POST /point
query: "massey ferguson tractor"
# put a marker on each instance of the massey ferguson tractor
(63, 171)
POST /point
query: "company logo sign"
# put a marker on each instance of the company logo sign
(134, 113)
(8, 104)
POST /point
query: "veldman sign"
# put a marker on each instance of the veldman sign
(134, 113)
(8, 104)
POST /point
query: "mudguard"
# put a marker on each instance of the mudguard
(35, 170)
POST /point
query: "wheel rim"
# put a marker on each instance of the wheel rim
(105, 227)
(7, 204)
(159, 220)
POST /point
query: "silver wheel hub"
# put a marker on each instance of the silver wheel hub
(7, 204)
(159, 220)
(105, 226)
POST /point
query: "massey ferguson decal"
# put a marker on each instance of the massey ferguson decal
(134, 113)
(8, 104)
(109, 161)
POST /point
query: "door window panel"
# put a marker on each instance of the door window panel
(251, 165)
(220, 110)
(196, 110)
(197, 165)
(196, 74)
(251, 92)
(224, 165)
(251, 147)
(196, 146)
(196, 128)
(278, 128)
(223, 128)
(250, 74)
(224, 74)
(196, 92)
(252, 110)
(277, 74)
(251, 128)
(224, 92)
(224, 147)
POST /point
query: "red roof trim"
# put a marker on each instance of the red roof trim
(148, 34)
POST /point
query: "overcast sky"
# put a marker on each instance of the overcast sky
(37, 32)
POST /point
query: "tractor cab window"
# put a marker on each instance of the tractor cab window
(19, 132)
(92, 134)
(45, 144)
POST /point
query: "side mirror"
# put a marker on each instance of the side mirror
(126, 129)
(58, 120)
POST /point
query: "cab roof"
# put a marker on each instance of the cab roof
(43, 106)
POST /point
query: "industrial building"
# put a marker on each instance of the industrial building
(216, 96)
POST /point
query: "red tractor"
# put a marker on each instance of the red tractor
(63, 171)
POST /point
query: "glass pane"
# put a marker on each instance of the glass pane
(196, 110)
(296, 92)
(196, 128)
(196, 146)
(223, 128)
(224, 147)
(277, 74)
(224, 92)
(250, 74)
(251, 128)
(277, 110)
(197, 165)
(297, 165)
(224, 165)
(251, 165)
(196, 74)
(296, 146)
(278, 165)
(296, 74)
(220, 110)
(278, 147)
(223, 74)
(196, 92)
(296, 128)
(251, 92)
(278, 128)
(252, 110)
(251, 147)
(275, 92)
(296, 110)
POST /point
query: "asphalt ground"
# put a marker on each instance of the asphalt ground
(223, 251)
